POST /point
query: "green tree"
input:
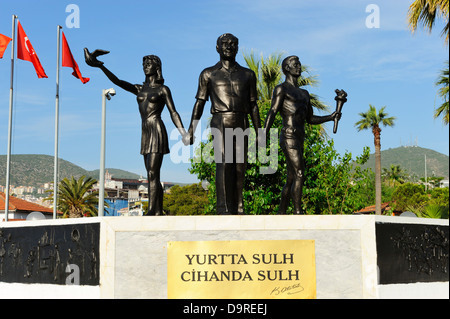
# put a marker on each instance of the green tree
(369, 190)
(409, 196)
(439, 196)
(432, 205)
(434, 211)
(394, 175)
(185, 200)
(425, 13)
(334, 184)
(414, 198)
(267, 71)
(76, 198)
(372, 120)
(443, 82)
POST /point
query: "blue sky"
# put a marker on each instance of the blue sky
(385, 66)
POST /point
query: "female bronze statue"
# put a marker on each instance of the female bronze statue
(295, 108)
(152, 96)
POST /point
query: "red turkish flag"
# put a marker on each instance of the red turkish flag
(26, 52)
(4, 41)
(69, 61)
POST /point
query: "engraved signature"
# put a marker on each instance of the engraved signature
(290, 290)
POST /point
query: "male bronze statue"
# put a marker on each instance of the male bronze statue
(232, 90)
(294, 106)
(152, 96)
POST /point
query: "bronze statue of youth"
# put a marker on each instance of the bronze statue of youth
(152, 96)
(232, 90)
(294, 106)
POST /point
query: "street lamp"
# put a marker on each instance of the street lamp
(106, 94)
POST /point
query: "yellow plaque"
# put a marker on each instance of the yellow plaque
(284, 269)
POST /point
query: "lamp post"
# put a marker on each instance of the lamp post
(106, 94)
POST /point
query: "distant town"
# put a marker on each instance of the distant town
(30, 193)
(124, 196)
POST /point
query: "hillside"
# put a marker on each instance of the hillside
(35, 170)
(412, 160)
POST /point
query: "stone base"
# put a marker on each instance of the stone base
(132, 260)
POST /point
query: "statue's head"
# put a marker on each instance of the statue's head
(227, 46)
(152, 64)
(292, 65)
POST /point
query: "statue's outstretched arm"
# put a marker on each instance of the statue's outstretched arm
(91, 60)
(315, 119)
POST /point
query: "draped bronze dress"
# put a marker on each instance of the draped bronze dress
(154, 134)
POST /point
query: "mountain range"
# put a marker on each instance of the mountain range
(35, 170)
(411, 159)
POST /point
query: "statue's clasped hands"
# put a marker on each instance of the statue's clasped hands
(188, 139)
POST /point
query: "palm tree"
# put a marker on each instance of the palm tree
(373, 119)
(425, 12)
(431, 211)
(76, 198)
(443, 81)
(395, 175)
(269, 74)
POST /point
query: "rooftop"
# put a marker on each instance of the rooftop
(371, 209)
(21, 205)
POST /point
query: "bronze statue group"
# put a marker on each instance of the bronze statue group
(231, 89)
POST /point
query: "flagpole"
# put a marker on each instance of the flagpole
(55, 173)
(101, 191)
(11, 91)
